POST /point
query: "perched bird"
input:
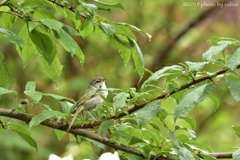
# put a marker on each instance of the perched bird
(88, 103)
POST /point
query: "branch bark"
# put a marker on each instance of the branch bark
(89, 134)
(3, 2)
(12, 13)
(139, 106)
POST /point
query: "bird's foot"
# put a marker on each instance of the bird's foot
(83, 124)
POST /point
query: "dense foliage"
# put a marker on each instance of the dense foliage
(133, 118)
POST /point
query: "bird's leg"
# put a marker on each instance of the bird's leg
(83, 119)
(92, 118)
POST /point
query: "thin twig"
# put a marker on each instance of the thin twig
(63, 6)
(137, 107)
(89, 134)
(12, 13)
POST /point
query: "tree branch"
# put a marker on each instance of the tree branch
(89, 134)
(63, 6)
(12, 13)
(139, 106)
(3, 2)
(221, 155)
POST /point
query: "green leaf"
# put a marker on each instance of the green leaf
(54, 70)
(1, 128)
(59, 98)
(237, 130)
(133, 156)
(135, 29)
(44, 44)
(174, 139)
(120, 128)
(160, 73)
(29, 49)
(236, 155)
(66, 106)
(44, 7)
(146, 148)
(89, 18)
(190, 121)
(183, 138)
(137, 56)
(100, 145)
(119, 101)
(35, 95)
(6, 91)
(148, 112)
(5, 77)
(19, 107)
(53, 24)
(78, 52)
(195, 66)
(104, 126)
(73, 31)
(86, 28)
(43, 14)
(195, 143)
(192, 98)
(20, 128)
(122, 47)
(28, 139)
(36, 120)
(191, 132)
(107, 29)
(59, 134)
(207, 157)
(222, 45)
(135, 140)
(67, 41)
(179, 95)
(234, 88)
(12, 37)
(185, 154)
(234, 60)
(215, 100)
(30, 86)
(8, 19)
(91, 8)
(113, 5)
(31, 26)
(124, 32)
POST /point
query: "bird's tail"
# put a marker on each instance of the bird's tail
(79, 109)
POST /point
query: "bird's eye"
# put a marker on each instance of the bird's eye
(98, 81)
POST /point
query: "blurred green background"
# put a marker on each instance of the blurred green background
(164, 20)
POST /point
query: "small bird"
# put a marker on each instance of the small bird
(87, 103)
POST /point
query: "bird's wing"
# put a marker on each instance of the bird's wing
(83, 99)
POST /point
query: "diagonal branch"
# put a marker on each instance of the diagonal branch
(139, 106)
(12, 13)
(89, 134)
